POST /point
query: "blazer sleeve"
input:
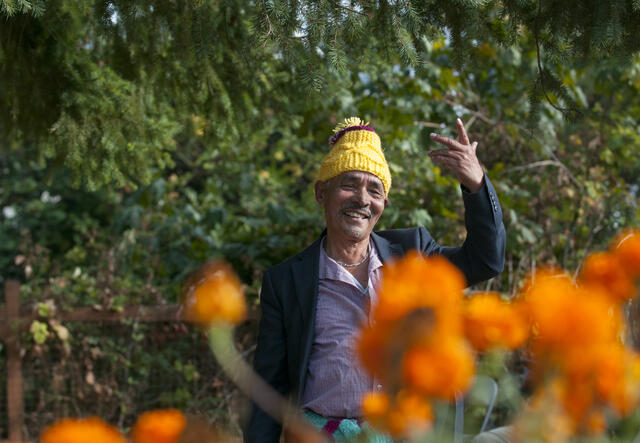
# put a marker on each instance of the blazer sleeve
(270, 363)
(481, 256)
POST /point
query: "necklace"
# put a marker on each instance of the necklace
(353, 265)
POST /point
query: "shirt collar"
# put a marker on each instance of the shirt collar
(331, 270)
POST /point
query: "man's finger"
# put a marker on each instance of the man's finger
(448, 161)
(446, 153)
(448, 142)
(474, 146)
(462, 133)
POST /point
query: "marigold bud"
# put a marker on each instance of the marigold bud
(627, 248)
(214, 294)
(91, 429)
(375, 407)
(161, 426)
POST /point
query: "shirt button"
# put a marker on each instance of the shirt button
(379, 388)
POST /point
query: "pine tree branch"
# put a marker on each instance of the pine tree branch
(477, 114)
(540, 69)
(346, 8)
(541, 76)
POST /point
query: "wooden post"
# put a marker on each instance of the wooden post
(14, 363)
(633, 322)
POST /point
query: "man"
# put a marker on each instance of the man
(313, 303)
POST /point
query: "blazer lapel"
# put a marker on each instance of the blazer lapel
(305, 279)
(386, 249)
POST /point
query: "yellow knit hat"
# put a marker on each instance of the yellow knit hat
(355, 146)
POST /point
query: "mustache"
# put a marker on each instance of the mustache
(356, 207)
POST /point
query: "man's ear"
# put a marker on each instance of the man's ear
(321, 192)
(386, 201)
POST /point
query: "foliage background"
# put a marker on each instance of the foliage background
(139, 140)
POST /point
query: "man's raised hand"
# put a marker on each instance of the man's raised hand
(460, 158)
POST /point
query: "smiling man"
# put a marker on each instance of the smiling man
(313, 303)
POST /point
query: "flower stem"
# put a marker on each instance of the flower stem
(267, 398)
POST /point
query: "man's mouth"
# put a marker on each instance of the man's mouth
(354, 213)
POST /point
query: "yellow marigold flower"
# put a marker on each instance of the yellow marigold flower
(605, 271)
(441, 369)
(491, 322)
(214, 294)
(88, 430)
(161, 426)
(627, 248)
(418, 282)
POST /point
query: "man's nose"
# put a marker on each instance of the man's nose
(361, 196)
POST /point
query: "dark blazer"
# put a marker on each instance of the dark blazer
(290, 291)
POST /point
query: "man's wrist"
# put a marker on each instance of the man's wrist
(472, 188)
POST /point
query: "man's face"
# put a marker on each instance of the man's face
(353, 202)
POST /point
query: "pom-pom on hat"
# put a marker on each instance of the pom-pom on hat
(355, 146)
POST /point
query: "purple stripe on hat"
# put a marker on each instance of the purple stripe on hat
(335, 137)
(331, 426)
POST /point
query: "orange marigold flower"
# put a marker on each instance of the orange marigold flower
(418, 282)
(616, 376)
(564, 315)
(214, 294)
(92, 430)
(408, 415)
(577, 398)
(596, 423)
(161, 426)
(375, 407)
(545, 419)
(491, 322)
(373, 349)
(605, 271)
(411, 416)
(595, 377)
(382, 346)
(627, 248)
(440, 370)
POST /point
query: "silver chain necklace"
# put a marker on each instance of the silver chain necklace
(353, 265)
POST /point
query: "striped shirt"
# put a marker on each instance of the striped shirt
(336, 381)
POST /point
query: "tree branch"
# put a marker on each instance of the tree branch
(541, 70)
(346, 8)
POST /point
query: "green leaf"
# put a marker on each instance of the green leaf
(39, 331)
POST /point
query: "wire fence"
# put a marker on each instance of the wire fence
(117, 370)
